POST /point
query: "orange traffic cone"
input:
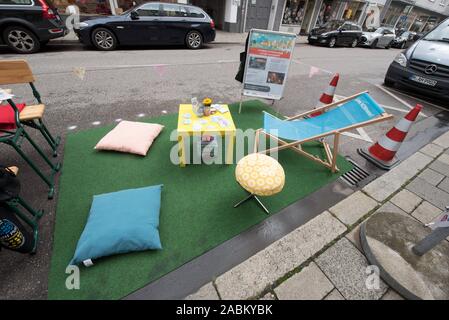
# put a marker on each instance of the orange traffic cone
(328, 95)
(383, 152)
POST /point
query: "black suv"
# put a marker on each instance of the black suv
(26, 25)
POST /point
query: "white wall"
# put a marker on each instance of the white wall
(433, 5)
(231, 8)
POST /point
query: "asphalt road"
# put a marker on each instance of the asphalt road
(86, 88)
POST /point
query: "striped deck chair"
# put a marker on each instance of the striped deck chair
(350, 113)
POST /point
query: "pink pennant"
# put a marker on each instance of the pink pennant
(313, 71)
(160, 69)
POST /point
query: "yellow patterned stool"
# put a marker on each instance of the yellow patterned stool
(260, 175)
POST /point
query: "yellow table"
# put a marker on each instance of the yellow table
(204, 125)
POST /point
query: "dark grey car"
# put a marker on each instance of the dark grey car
(26, 25)
(424, 67)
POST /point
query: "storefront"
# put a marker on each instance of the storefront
(328, 11)
(294, 14)
(353, 11)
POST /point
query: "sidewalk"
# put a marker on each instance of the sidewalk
(221, 37)
(323, 258)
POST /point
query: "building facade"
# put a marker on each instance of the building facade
(298, 16)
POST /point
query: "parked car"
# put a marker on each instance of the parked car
(381, 37)
(150, 23)
(424, 67)
(26, 25)
(404, 40)
(336, 33)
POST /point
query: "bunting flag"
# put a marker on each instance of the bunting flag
(441, 222)
(314, 71)
(80, 72)
(160, 69)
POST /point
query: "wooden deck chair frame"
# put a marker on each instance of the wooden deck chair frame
(331, 155)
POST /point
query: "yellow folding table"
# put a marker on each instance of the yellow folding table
(189, 124)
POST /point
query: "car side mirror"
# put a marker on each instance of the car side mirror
(134, 15)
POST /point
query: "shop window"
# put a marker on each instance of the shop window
(16, 2)
(294, 12)
(87, 7)
(327, 12)
(149, 10)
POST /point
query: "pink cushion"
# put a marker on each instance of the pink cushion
(130, 137)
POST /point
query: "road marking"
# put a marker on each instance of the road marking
(164, 111)
(72, 127)
(309, 65)
(416, 98)
(118, 120)
(96, 123)
(397, 98)
(227, 61)
(141, 115)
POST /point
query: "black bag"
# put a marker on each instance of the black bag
(240, 73)
(9, 184)
(13, 234)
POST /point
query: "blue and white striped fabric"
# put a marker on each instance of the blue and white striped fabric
(358, 110)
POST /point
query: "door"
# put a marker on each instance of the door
(345, 35)
(144, 29)
(386, 38)
(258, 14)
(176, 23)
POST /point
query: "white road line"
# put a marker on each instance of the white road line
(164, 111)
(96, 123)
(118, 120)
(227, 61)
(416, 98)
(141, 115)
(306, 64)
(397, 98)
(72, 127)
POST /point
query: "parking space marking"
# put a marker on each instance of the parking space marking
(397, 98)
(416, 98)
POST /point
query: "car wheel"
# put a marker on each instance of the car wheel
(388, 83)
(354, 43)
(104, 39)
(194, 40)
(332, 42)
(21, 40)
(374, 44)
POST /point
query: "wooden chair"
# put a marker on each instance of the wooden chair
(350, 113)
(18, 72)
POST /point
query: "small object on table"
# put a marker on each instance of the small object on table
(206, 105)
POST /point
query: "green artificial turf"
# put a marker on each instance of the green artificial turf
(197, 211)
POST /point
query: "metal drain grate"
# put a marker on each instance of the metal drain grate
(354, 176)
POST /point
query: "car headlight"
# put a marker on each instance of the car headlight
(83, 25)
(401, 59)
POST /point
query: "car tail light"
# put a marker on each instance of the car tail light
(212, 23)
(48, 13)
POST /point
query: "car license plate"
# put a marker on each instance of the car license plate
(313, 37)
(428, 82)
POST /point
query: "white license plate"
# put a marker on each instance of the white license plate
(428, 82)
(313, 37)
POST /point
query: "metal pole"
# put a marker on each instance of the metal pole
(433, 239)
(384, 11)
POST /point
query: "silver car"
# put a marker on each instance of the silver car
(383, 37)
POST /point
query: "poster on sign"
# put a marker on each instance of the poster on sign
(267, 63)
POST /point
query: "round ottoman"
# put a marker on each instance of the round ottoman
(260, 175)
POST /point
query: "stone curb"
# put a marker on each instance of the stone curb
(277, 263)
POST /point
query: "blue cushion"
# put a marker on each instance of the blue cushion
(121, 222)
